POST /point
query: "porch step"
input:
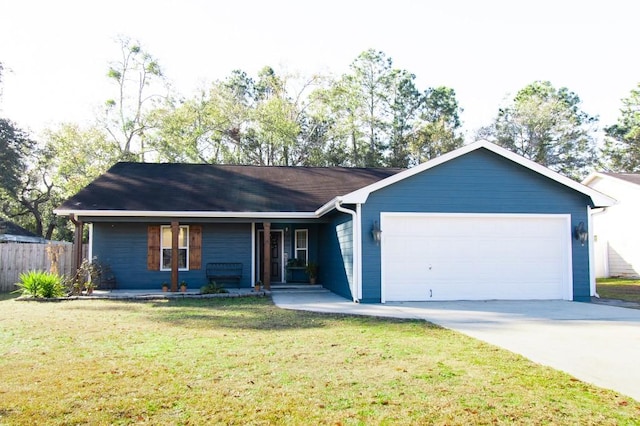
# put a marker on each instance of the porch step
(298, 288)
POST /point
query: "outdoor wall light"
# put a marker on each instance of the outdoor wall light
(376, 232)
(580, 233)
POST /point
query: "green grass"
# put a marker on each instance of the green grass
(619, 288)
(244, 361)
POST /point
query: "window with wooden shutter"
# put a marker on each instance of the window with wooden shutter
(153, 247)
(195, 247)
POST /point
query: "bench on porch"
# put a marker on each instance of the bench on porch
(224, 273)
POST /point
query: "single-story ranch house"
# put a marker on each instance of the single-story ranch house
(477, 223)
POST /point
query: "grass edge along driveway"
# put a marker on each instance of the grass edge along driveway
(627, 289)
(244, 361)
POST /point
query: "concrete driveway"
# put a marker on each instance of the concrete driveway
(595, 343)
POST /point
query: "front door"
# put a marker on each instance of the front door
(276, 255)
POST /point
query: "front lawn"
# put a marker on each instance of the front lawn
(619, 288)
(244, 361)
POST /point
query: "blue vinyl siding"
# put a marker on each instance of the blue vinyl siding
(336, 257)
(123, 246)
(479, 182)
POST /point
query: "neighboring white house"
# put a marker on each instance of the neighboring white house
(616, 229)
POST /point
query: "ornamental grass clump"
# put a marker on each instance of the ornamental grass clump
(40, 284)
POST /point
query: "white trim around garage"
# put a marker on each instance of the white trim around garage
(418, 268)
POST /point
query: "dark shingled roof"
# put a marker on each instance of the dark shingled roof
(220, 188)
(629, 177)
(10, 228)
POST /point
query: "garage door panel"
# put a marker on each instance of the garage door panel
(426, 257)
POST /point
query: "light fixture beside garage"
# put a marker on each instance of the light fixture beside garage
(580, 233)
(376, 232)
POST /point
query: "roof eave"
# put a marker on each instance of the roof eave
(21, 239)
(599, 175)
(186, 214)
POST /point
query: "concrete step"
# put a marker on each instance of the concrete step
(298, 288)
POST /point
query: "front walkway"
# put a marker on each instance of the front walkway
(595, 343)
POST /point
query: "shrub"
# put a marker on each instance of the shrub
(213, 288)
(40, 284)
(87, 276)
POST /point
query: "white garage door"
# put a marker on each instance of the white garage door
(475, 257)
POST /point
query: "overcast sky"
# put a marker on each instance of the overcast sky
(57, 52)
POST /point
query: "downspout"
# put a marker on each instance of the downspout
(356, 288)
(592, 266)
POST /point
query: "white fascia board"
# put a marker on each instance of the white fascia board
(592, 176)
(187, 214)
(327, 207)
(599, 199)
(360, 196)
(598, 175)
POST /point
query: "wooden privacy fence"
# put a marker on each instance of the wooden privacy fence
(16, 258)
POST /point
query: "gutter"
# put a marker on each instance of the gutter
(356, 290)
(187, 214)
(592, 266)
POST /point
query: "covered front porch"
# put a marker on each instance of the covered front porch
(180, 250)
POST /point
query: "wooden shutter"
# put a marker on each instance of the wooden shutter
(195, 247)
(153, 247)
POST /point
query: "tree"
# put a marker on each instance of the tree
(357, 104)
(546, 125)
(135, 75)
(26, 200)
(21, 190)
(622, 145)
(376, 116)
(238, 120)
(15, 147)
(275, 122)
(438, 130)
(370, 83)
(404, 103)
(76, 156)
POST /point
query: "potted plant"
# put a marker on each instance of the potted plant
(312, 270)
(183, 286)
(165, 287)
(258, 285)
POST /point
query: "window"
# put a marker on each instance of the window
(183, 248)
(302, 245)
(155, 247)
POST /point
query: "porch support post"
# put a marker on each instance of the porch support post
(266, 270)
(175, 232)
(77, 243)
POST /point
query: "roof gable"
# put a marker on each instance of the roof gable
(360, 196)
